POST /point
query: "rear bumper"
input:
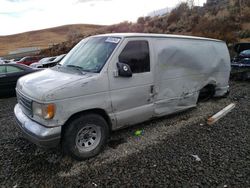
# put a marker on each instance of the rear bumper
(35, 132)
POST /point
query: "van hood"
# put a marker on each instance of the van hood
(40, 85)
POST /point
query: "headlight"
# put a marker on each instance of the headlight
(46, 111)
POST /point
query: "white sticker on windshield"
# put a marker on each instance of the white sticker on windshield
(112, 40)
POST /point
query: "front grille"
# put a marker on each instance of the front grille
(25, 103)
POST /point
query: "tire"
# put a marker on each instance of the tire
(85, 136)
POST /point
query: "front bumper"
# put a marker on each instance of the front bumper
(35, 132)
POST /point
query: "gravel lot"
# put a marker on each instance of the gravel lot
(160, 157)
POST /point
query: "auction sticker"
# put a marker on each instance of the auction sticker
(113, 40)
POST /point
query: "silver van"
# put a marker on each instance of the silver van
(107, 82)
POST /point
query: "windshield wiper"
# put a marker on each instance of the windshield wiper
(80, 69)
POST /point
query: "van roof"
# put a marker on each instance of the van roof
(154, 35)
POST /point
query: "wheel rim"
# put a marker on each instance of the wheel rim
(88, 138)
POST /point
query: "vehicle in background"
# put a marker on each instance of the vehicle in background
(241, 63)
(107, 82)
(9, 74)
(2, 61)
(48, 63)
(57, 60)
(42, 62)
(28, 60)
(17, 59)
(8, 61)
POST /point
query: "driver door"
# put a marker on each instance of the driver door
(132, 97)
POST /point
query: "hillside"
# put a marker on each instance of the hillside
(227, 20)
(44, 38)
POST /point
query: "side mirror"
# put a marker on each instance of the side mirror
(124, 70)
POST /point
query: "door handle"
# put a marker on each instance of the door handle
(152, 91)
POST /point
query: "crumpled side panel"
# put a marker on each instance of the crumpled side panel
(183, 67)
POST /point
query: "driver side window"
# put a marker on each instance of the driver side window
(12, 69)
(136, 55)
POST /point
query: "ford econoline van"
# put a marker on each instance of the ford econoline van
(107, 82)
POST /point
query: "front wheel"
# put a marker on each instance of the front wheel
(85, 136)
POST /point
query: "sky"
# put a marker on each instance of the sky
(25, 15)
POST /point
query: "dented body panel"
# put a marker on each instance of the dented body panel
(183, 67)
(180, 67)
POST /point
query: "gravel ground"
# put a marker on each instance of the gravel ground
(162, 156)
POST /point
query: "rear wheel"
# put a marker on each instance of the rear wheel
(85, 136)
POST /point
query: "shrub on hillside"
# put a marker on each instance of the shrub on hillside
(141, 20)
(244, 34)
(176, 13)
(223, 29)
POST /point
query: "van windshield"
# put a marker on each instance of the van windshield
(91, 54)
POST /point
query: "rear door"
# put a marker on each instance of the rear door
(132, 98)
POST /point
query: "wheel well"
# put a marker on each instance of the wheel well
(207, 92)
(211, 86)
(98, 111)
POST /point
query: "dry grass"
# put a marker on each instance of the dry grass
(245, 40)
(43, 38)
